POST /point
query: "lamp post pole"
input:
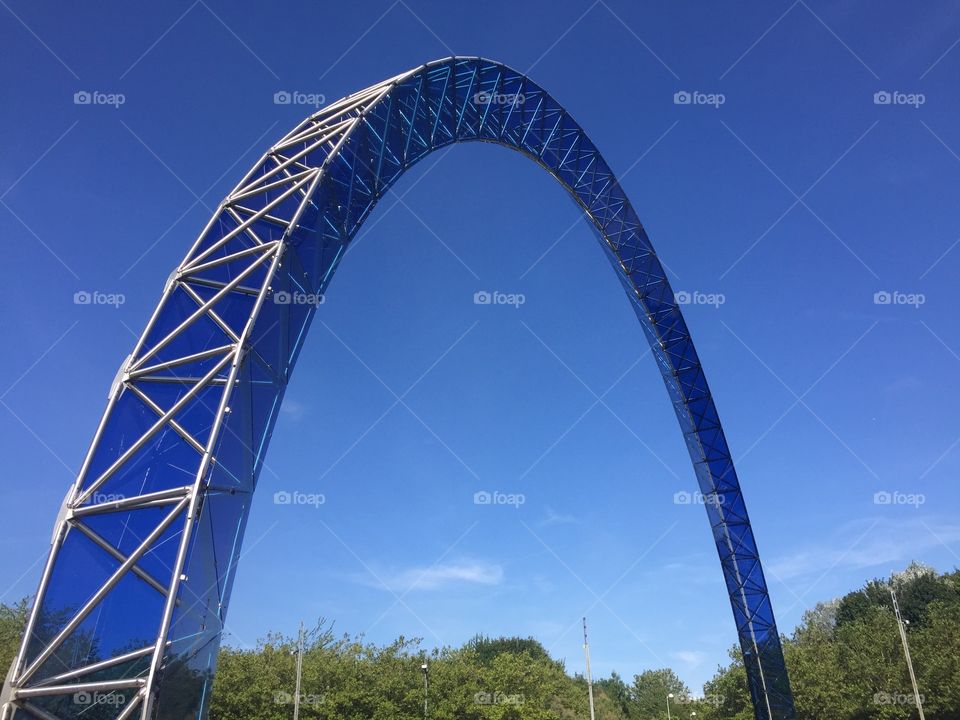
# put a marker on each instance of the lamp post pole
(669, 696)
(586, 650)
(906, 652)
(296, 694)
(425, 667)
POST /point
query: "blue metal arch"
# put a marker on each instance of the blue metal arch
(134, 595)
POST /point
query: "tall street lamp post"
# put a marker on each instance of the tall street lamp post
(426, 685)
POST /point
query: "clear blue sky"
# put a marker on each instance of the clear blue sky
(798, 200)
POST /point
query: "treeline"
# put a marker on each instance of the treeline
(503, 678)
(845, 660)
(347, 678)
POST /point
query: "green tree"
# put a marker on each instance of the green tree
(651, 689)
(618, 692)
(13, 618)
(936, 649)
(726, 696)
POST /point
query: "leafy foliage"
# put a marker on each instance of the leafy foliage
(846, 660)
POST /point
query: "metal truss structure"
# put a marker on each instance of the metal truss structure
(131, 604)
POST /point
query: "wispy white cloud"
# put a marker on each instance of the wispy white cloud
(555, 518)
(436, 577)
(885, 544)
(292, 409)
(690, 658)
(905, 384)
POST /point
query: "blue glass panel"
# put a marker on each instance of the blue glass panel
(166, 461)
(82, 569)
(124, 620)
(88, 706)
(125, 531)
(128, 420)
(204, 334)
(234, 307)
(233, 453)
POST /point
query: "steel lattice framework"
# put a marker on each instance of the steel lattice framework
(131, 604)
